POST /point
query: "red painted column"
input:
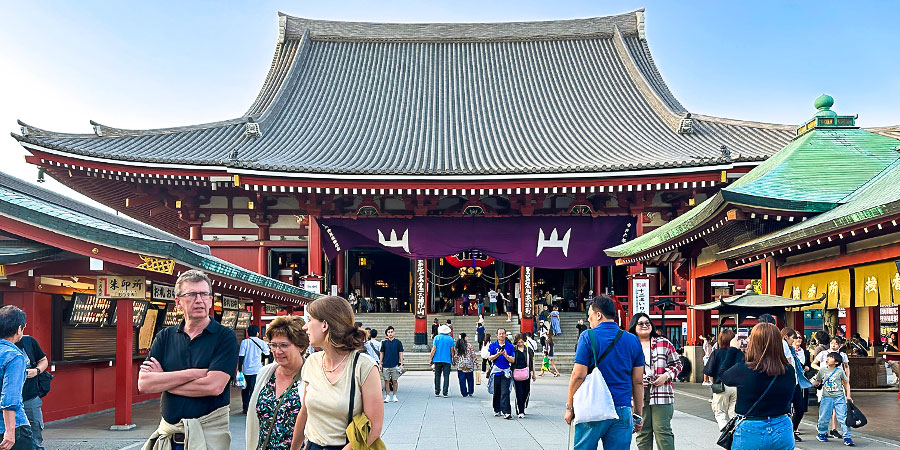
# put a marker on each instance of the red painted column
(124, 364)
(196, 232)
(262, 260)
(875, 325)
(289, 310)
(526, 300)
(340, 273)
(314, 248)
(850, 321)
(256, 314)
(598, 280)
(695, 296)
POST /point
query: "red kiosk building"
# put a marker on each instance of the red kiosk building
(540, 122)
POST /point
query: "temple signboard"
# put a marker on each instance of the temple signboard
(527, 292)
(120, 287)
(421, 288)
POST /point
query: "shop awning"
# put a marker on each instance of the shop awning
(834, 285)
(877, 284)
(751, 300)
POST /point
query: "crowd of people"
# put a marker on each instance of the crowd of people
(322, 383)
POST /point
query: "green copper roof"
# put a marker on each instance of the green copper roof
(40, 207)
(16, 251)
(880, 197)
(815, 173)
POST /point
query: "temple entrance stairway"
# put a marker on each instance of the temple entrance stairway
(404, 326)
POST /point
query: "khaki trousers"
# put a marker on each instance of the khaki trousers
(723, 405)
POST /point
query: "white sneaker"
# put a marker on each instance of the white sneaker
(395, 399)
(706, 383)
(386, 399)
(521, 416)
(508, 320)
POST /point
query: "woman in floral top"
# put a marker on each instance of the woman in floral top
(661, 367)
(464, 357)
(278, 393)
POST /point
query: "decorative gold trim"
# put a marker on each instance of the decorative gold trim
(159, 265)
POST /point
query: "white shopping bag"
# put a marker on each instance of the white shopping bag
(592, 401)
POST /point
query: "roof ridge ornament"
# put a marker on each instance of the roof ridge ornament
(98, 130)
(282, 28)
(686, 125)
(825, 117)
(252, 129)
(639, 15)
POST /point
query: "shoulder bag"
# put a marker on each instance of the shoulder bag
(525, 372)
(727, 436)
(277, 407)
(352, 390)
(718, 387)
(262, 352)
(592, 401)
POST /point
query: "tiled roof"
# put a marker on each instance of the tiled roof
(14, 251)
(817, 172)
(570, 96)
(36, 206)
(879, 198)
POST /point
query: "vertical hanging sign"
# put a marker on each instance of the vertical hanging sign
(527, 292)
(421, 288)
(640, 288)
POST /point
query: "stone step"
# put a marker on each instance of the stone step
(421, 361)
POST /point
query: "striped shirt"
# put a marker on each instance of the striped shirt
(663, 360)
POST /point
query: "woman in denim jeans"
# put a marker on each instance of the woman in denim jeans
(765, 387)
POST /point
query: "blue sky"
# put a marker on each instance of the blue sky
(154, 64)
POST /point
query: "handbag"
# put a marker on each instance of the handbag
(240, 381)
(855, 417)
(717, 387)
(592, 401)
(727, 436)
(478, 377)
(485, 352)
(523, 373)
(43, 383)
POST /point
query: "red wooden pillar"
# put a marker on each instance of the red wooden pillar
(875, 325)
(598, 280)
(289, 310)
(196, 232)
(314, 248)
(340, 274)
(262, 260)
(256, 314)
(124, 363)
(850, 321)
(526, 299)
(698, 290)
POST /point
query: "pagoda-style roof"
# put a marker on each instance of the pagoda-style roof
(58, 214)
(822, 169)
(447, 101)
(877, 200)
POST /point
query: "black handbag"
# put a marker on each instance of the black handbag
(727, 435)
(855, 417)
(717, 387)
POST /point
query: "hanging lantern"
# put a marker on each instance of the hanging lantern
(470, 258)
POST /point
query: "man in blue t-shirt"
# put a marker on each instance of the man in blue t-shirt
(440, 359)
(623, 370)
(502, 355)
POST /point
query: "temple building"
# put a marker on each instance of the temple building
(374, 151)
(816, 221)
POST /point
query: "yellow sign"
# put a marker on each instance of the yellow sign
(121, 287)
(2, 270)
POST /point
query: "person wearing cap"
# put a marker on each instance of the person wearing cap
(441, 348)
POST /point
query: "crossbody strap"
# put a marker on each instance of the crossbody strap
(277, 407)
(761, 396)
(352, 387)
(608, 348)
(832, 374)
(257, 344)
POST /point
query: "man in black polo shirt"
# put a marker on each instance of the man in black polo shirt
(191, 364)
(35, 364)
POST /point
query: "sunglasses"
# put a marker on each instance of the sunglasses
(644, 323)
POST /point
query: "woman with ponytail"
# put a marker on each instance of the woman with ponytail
(330, 375)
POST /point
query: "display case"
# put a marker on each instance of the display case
(139, 313)
(243, 320)
(173, 316)
(229, 318)
(88, 310)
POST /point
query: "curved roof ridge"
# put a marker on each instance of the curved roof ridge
(286, 53)
(31, 130)
(745, 123)
(113, 131)
(545, 30)
(642, 83)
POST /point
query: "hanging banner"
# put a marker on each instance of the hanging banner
(552, 242)
(640, 290)
(421, 288)
(527, 292)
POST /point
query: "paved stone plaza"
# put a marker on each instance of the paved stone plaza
(422, 421)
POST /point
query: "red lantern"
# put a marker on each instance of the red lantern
(472, 258)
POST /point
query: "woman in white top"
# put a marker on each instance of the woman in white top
(327, 376)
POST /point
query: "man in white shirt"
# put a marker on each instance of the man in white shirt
(250, 362)
(492, 296)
